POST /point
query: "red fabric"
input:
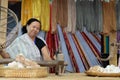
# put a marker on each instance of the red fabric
(49, 41)
(71, 53)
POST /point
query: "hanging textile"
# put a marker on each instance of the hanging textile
(39, 9)
(53, 16)
(26, 11)
(71, 16)
(109, 16)
(50, 38)
(118, 14)
(36, 8)
(45, 15)
(62, 12)
(79, 14)
(98, 16)
(89, 15)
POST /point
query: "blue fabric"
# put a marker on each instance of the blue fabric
(97, 45)
(64, 49)
(92, 60)
(76, 54)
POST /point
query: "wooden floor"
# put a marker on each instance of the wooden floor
(72, 76)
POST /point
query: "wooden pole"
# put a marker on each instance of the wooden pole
(109, 28)
(3, 25)
(113, 49)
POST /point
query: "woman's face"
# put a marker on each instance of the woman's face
(33, 29)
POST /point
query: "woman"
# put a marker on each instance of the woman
(28, 44)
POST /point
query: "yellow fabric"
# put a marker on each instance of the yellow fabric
(39, 9)
(26, 12)
(36, 8)
(45, 15)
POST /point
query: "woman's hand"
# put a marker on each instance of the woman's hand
(4, 54)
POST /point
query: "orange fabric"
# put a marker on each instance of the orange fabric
(62, 12)
(54, 14)
(109, 16)
(71, 16)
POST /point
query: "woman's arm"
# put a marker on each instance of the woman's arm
(4, 54)
(45, 53)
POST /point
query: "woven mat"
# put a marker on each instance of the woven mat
(24, 72)
(70, 76)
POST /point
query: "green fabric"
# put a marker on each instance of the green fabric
(107, 44)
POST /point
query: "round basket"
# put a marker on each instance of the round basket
(100, 74)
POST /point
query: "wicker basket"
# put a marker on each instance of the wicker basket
(100, 74)
(2, 72)
(24, 73)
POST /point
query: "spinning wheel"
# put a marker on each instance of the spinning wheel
(8, 18)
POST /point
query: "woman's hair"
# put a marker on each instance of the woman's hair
(24, 30)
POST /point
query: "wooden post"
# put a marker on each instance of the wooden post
(3, 25)
(109, 27)
(113, 49)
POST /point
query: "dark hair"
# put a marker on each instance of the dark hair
(24, 30)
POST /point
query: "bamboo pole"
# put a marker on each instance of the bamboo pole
(3, 3)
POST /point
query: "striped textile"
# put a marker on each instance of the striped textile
(81, 52)
(92, 60)
(72, 56)
(64, 49)
(75, 53)
(91, 45)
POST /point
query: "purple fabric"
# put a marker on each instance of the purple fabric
(118, 39)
